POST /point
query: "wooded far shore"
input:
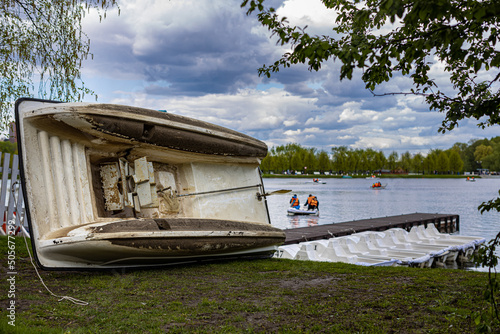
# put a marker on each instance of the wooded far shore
(387, 176)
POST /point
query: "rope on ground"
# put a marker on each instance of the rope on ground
(61, 298)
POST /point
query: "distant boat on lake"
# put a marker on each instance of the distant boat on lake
(317, 181)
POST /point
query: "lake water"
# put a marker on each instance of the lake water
(344, 200)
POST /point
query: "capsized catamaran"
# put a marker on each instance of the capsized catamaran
(111, 186)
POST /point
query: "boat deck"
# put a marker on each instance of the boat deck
(445, 223)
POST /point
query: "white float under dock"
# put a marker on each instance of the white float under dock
(419, 247)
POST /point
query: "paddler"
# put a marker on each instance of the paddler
(308, 201)
(314, 204)
(294, 202)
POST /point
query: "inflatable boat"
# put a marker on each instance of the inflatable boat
(302, 212)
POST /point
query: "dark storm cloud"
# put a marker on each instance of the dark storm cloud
(217, 58)
(184, 47)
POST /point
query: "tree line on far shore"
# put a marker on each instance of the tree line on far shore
(461, 157)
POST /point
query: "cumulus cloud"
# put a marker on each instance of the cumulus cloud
(375, 143)
(311, 13)
(289, 122)
(353, 114)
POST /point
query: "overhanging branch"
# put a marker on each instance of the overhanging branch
(399, 93)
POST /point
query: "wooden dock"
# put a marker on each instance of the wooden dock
(443, 222)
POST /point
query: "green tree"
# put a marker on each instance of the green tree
(364, 162)
(465, 155)
(392, 160)
(43, 45)
(455, 162)
(273, 163)
(309, 160)
(266, 163)
(492, 160)
(481, 152)
(442, 162)
(323, 161)
(371, 157)
(429, 163)
(380, 160)
(417, 163)
(352, 161)
(281, 163)
(286, 152)
(340, 158)
(296, 162)
(406, 161)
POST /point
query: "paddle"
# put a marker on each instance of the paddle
(259, 196)
(281, 191)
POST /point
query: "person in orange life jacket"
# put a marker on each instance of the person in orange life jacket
(294, 202)
(314, 204)
(308, 201)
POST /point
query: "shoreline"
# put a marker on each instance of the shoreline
(383, 176)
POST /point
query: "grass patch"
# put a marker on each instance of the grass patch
(259, 296)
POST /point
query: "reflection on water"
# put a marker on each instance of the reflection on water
(344, 200)
(302, 221)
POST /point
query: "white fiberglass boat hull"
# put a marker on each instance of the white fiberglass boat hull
(117, 186)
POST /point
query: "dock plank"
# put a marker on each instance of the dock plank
(445, 223)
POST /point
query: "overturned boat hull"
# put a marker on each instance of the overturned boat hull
(115, 186)
(147, 242)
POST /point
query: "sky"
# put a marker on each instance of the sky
(199, 58)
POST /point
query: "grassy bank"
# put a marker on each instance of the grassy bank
(258, 296)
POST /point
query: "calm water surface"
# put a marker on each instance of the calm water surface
(344, 200)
